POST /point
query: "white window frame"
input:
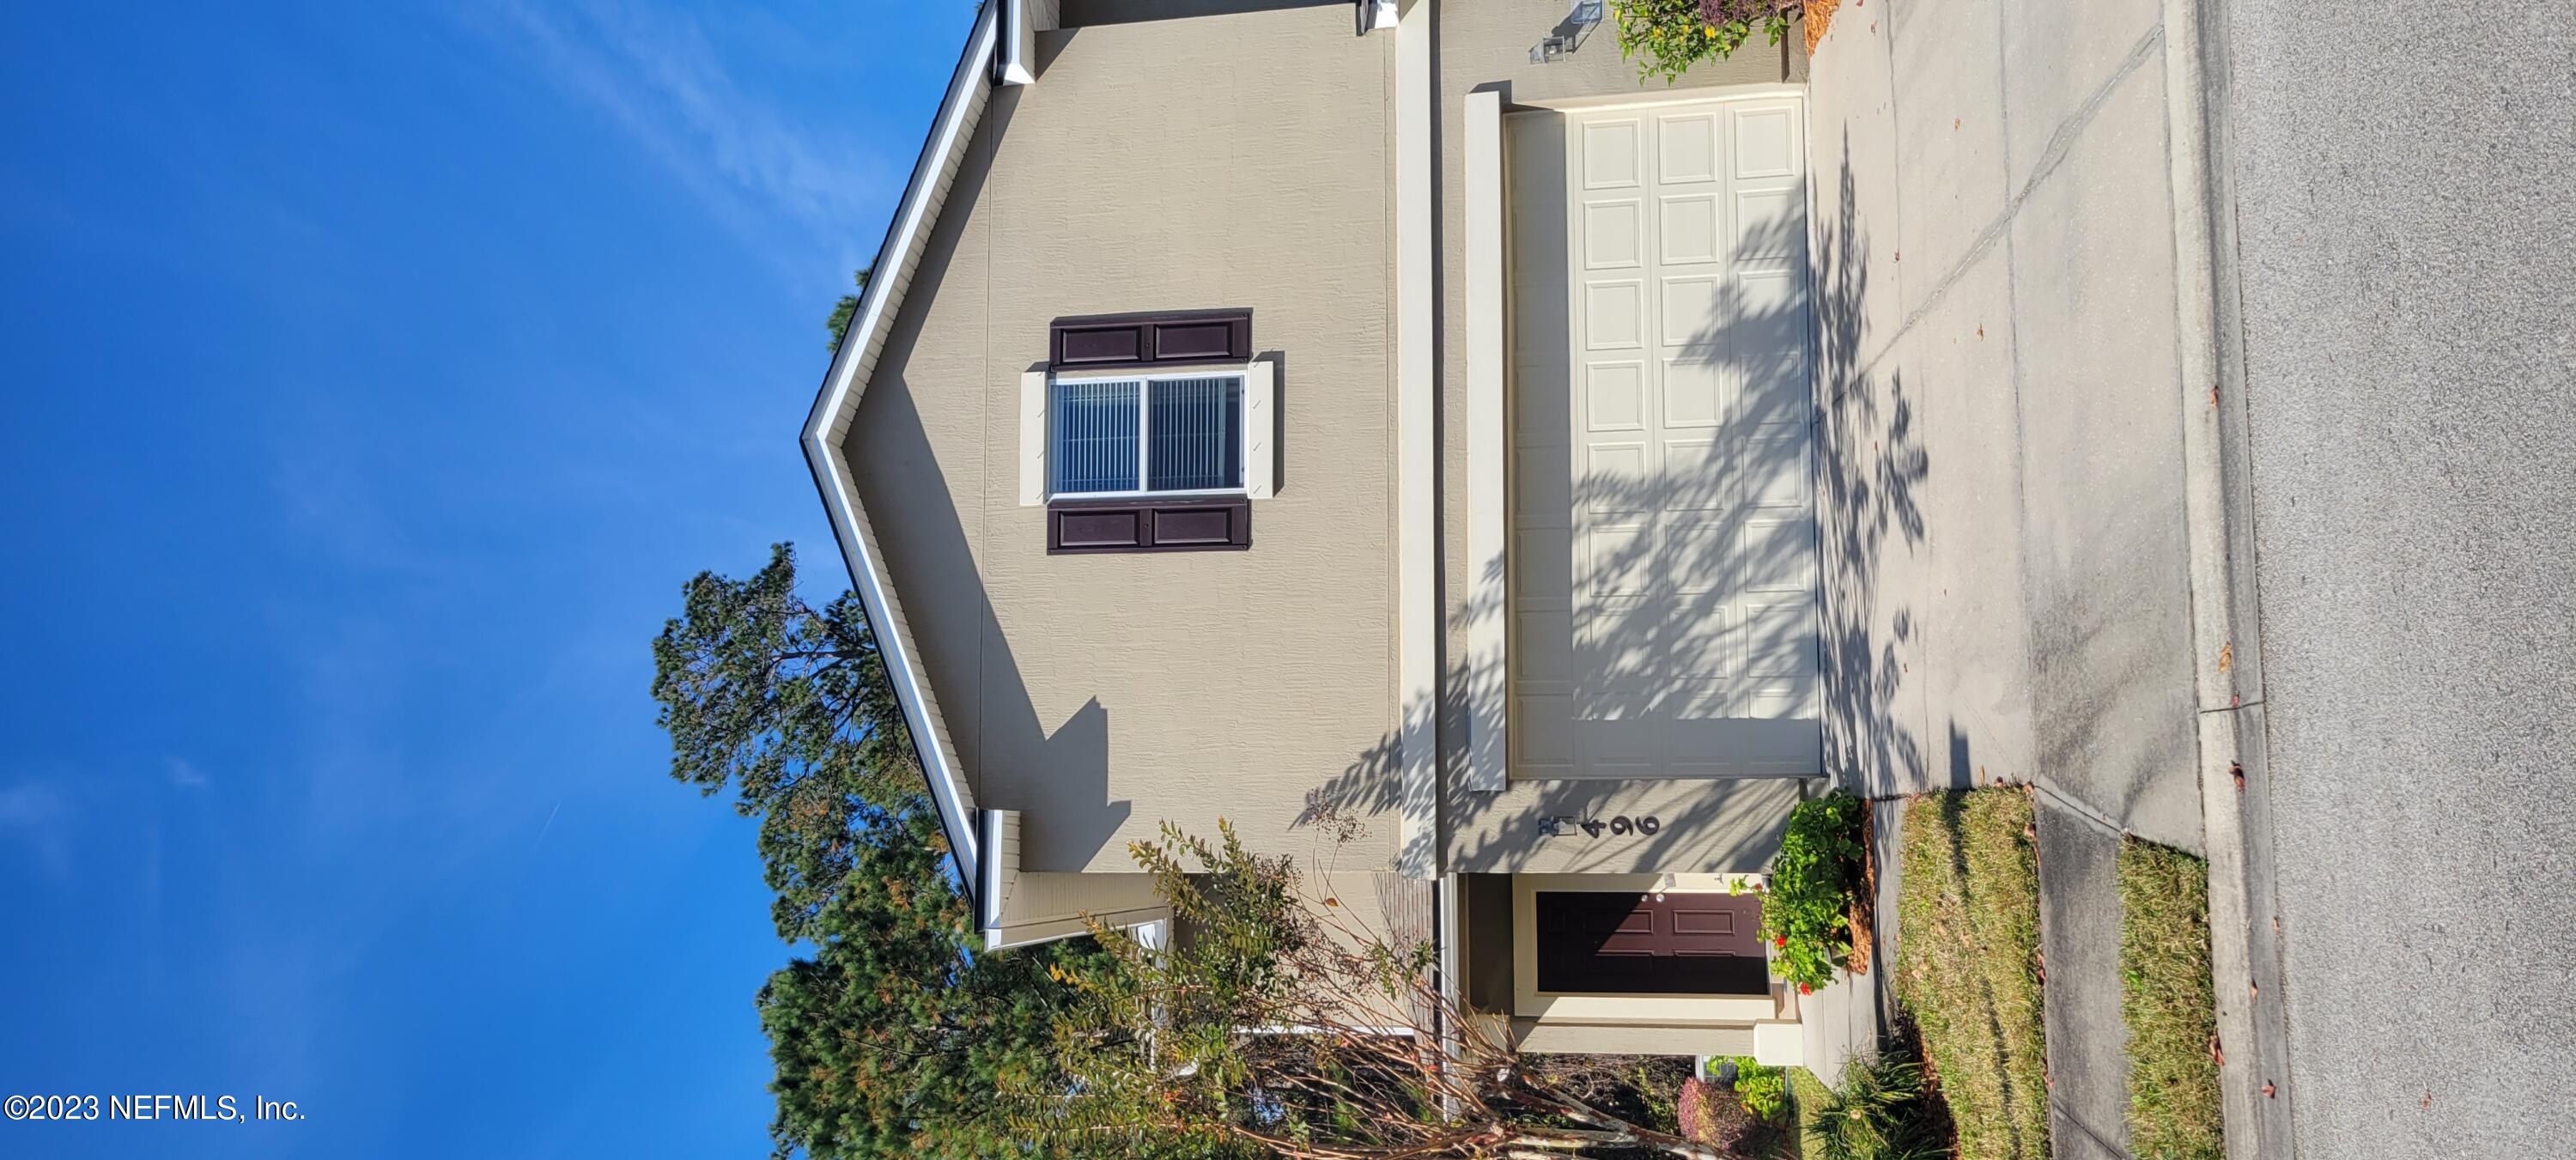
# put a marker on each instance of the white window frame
(1144, 431)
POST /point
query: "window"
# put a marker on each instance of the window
(1154, 435)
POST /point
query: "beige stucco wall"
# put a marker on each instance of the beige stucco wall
(1712, 826)
(1220, 160)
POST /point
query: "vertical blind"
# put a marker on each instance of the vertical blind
(1147, 435)
(1095, 437)
(1195, 423)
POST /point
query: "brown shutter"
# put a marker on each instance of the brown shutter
(1138, 340)
(1148, 524)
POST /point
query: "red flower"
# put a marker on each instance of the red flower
(1804, 989)
(1781, 941)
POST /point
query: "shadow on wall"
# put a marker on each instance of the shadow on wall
(1647, 607)
(1070, 778)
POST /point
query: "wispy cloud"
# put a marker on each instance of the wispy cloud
(661, 81)
(37, 816)
(185, 774)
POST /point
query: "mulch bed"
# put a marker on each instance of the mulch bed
(1818, 15)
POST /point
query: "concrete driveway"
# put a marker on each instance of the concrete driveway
(2009, 578)
(2011, 299)
(2008, 589)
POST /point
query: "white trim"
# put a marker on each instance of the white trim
(1488, 451)
(1057, 930)
(1019, 61)
(1417, 455)
(1260, 458)
(1033, 438)
(829, 421)
(1647, 100)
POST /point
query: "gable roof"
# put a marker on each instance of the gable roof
(969, 89)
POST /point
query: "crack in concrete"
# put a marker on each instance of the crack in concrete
(2051, 156)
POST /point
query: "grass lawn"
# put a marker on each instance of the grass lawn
(1967, 965)
(2166, 1001)
(1806, 1092)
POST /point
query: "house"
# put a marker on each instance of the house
(1394, 443)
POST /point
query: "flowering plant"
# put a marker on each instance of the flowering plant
(1667, 37)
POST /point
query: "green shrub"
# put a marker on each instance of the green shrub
(1878, 1112)
(1667, 37)
(1764, 1091)
(1806, 913)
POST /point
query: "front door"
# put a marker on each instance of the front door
(1620, 943)
(1665, 599)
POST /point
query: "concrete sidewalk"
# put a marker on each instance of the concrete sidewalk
(2079, 940)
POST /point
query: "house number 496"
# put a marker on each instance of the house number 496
(1619, 826)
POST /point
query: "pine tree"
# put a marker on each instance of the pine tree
(892, 1032)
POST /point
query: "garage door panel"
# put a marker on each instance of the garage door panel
(1543, 732)
(1614, 315)
(1777, 555)
(1695, 560)
(1543, 568)
(1685, 634)
(1770, 224)
(1695, 652)
(1614, 396)
(1780, 639)
(1771, 313)
(1766, 141)
(1772, 461)
(1686, 147)
(1612, 476)
(1616, 561)
(1543, 484)
(1689, 228)
(1772, 392)
(1694, 312)
(1614, 235)
(1544, 640)
(1694, 479)
(1611, 154)
(1694, 385)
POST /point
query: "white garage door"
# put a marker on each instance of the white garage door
(1665, 590)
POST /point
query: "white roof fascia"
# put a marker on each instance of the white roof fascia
(829, 423)
(1022, 21)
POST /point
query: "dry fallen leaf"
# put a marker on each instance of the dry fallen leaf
(2226, 656)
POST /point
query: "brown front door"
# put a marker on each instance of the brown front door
(1610, 943)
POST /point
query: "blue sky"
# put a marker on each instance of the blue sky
(374, 376)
